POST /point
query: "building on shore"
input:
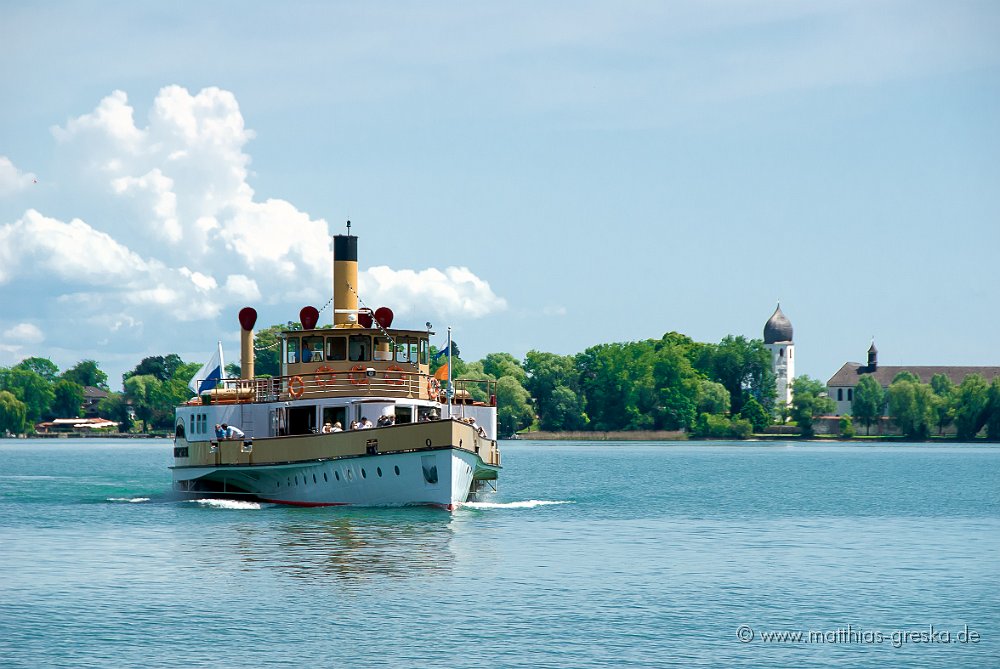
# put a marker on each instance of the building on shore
(841, 385)
(778, 340)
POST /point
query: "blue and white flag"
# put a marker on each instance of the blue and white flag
(443, 351)
(209, 375)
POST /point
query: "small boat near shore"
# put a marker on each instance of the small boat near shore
(429, 443)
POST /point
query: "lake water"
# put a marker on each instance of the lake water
(591, 555)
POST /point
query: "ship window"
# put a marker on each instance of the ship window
(333, 415)
(325, 477)
(364, 474)
(314, 479)
(404, 414)
(312, 349)
(423, 351)
(336, 348)
(292, 350)
(180, 430)
(382, 350)
(359, 347)
(350, 475)
(336, 475)
(192, 424)
(402, 352)
(296, 480)
(397, 470)
(379, 470)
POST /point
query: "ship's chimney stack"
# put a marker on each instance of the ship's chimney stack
(248, 317)
(345, 279)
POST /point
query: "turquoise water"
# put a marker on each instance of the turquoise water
(593, 555)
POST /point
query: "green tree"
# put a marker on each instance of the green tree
(944, 411)
(809, 401)
(514, 411)
(161, 367)
(906, 375)
(993, 411)
(970, 405)
(13, 414)
(499, 365)
(743, 366)
(87, 373)
(552, 382)
(869, 399)
(911, 405)
(32, 389)
(44, 367)
(68, 399)
(715, 426)
(676, 382)
(846, 427)
(758, 416)
(115, 407)
(145, 392)
(712, 397)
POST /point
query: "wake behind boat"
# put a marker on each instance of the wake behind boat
(427, 444)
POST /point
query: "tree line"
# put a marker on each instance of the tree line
(709, 390)
(918, 409)
(34, 390)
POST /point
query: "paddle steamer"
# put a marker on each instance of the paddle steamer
(434, 442)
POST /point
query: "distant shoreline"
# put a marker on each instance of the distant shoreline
(664, 435)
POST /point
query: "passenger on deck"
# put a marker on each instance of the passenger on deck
(219, 432)
(327, 428)
(354, 425)
(232, 432)
(385, 421)
(337, 427)
(365, 423)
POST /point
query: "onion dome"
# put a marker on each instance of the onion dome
(778, 328)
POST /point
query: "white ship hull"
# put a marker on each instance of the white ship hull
(442, 477)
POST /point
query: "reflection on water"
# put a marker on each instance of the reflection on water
(350, 544)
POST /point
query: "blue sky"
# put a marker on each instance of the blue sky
(546, 175)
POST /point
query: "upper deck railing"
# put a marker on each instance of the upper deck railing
(328, 382)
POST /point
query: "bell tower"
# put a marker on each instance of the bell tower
(778, 340)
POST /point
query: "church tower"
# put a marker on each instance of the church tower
(778, 340)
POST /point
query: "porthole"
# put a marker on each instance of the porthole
(379, 470)
(350, 475)
(289, 481)
(314, 478)
(325, 477)
(296, 480)
(364, 474)
(336, 475)
(397, 470)
(279, 483)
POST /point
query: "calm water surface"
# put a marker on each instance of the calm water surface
(591, 555)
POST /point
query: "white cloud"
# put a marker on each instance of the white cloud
(454, 292)
(168, 232)
(12, 180)
(25, 333)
